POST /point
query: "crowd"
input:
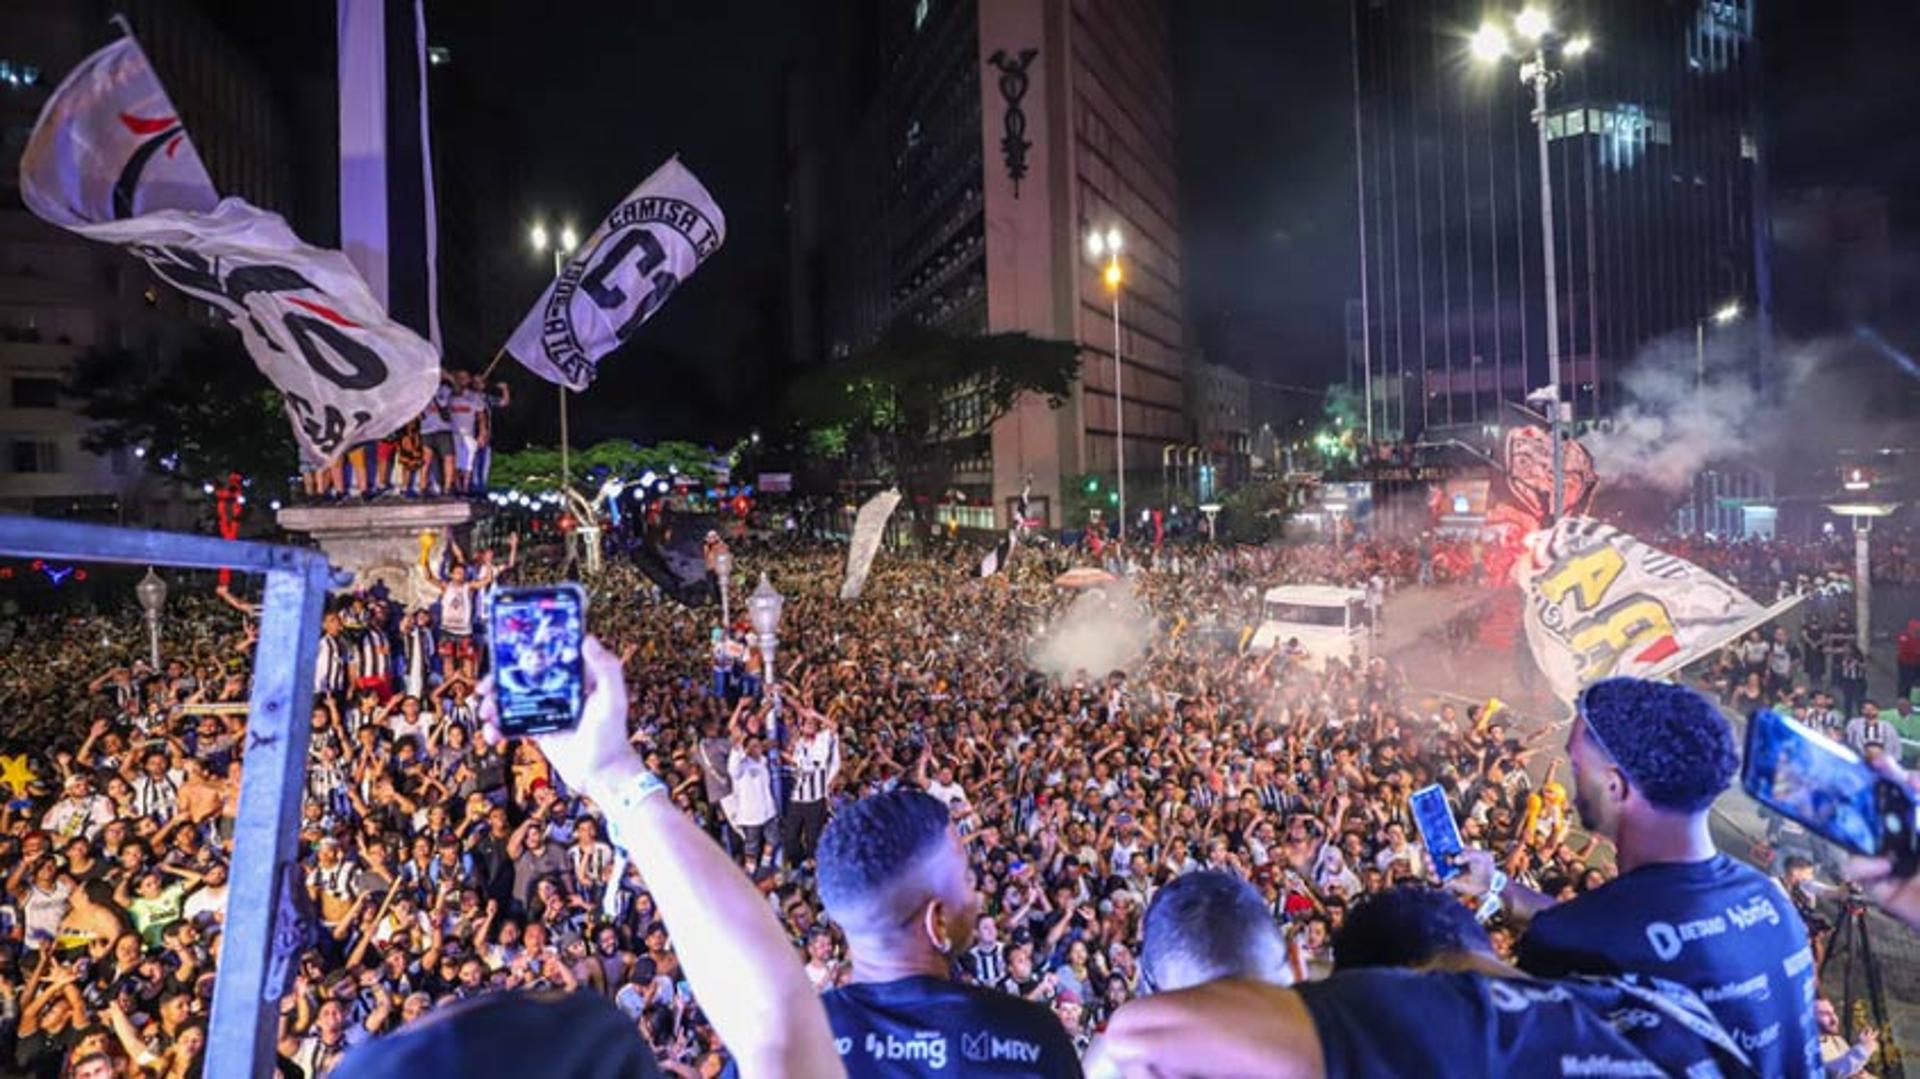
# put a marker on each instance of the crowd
(442, 866)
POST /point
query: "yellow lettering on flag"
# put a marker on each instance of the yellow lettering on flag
(1592, 573)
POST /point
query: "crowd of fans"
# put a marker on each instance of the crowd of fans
(445, 451)
(442, 866)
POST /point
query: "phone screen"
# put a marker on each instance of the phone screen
(535, 635)
(1824, 785)
(1437, 830)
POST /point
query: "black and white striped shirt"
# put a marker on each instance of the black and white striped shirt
(330, 666)
(988, 963)
(155, 796)
(816, 762)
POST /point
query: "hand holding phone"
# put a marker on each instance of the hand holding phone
(1438, 832)
(536, 635)
(1804, 775)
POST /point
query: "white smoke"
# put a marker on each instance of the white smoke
(1680, 416)
(1104, 629)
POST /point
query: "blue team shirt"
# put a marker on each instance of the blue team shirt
(1719, 928)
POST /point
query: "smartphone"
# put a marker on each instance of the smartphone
(535, 634)
(1800, 773)
(1438, 832)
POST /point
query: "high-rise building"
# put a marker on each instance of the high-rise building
(948, 160)
(61, 295)
(1658, 190)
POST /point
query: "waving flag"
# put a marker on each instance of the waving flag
(110, 160)
(997, 559)
(1601, 603)
(658, 235)
(868, 527)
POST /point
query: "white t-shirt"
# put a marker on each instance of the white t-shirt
(434, 420)
(946, 792)
(206, 902)
(752, 789)
(465, 408)
(45, 910)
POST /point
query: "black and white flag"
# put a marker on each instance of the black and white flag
(997, 559)
(658, 235)
(109, 159)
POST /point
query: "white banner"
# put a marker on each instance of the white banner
(1601, 603)
(109, 160)
(868, 526)
(658, 235)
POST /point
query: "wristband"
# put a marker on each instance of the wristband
(618, 800)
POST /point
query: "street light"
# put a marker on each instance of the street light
(763, 608)
(1727, 313)
(723, 566)
(1862, 511)
(1490, 44)
(567, 242)
(1107, 245)
(152, 594)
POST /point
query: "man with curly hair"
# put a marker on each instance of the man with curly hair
(1648, 759)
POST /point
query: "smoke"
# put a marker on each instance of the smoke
(1103, 629)
(1680, 416)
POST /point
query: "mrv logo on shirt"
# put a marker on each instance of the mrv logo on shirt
(984, 1048)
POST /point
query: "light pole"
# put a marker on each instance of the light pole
(723, 566)
(562, 247)
(763, 607)
(1212, 510)
(1861, 508)
(1727, 313)
(1107, 245)
(1491, 43)
(152, 594)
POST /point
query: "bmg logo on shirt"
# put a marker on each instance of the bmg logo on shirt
(927, 1047)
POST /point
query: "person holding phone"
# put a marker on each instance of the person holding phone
(1647, 761)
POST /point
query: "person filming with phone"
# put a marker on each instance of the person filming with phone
(1648, 759)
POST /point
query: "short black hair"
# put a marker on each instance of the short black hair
(1406, 926)
(1672, 742)
(1207, 925)
(868, 848)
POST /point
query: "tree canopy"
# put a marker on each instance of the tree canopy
(538, 467)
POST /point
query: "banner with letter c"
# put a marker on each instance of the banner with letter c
(658, 235)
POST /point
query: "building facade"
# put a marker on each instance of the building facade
(958, 153)
(61, 295)
(1658, 188)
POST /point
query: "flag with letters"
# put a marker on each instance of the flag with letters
(615, 281)
(1601, 603)
(110, 159)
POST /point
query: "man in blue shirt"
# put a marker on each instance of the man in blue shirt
(1648, 759)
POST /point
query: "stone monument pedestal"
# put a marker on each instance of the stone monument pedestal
(379, 542)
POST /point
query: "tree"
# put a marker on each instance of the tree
(916, 402)
(198, 415)
(538, 467)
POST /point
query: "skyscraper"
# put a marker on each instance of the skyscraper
(1655, 151)
(957, 154)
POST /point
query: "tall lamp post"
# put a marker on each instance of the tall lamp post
(562, 246)
(723, 567)
(1107, 245)
(152, 594)
(763, 608)
(1859, 505)
(1727, 313)
(1540, 45)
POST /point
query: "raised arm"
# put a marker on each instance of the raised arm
(721, 925)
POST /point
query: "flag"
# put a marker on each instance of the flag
(389, 225)
(658, 235)
(996, 559)
(109, 159)
(868, 526)
(1601, 603)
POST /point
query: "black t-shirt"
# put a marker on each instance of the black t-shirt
(922, 1026)
(1402, 1022)
(1718, 927)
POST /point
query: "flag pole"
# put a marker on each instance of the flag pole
(121, 21)
(493, 363)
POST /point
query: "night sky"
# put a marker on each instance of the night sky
(595, 94)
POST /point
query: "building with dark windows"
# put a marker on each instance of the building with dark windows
(1659, 203)
(947, 159)
(61, 295)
